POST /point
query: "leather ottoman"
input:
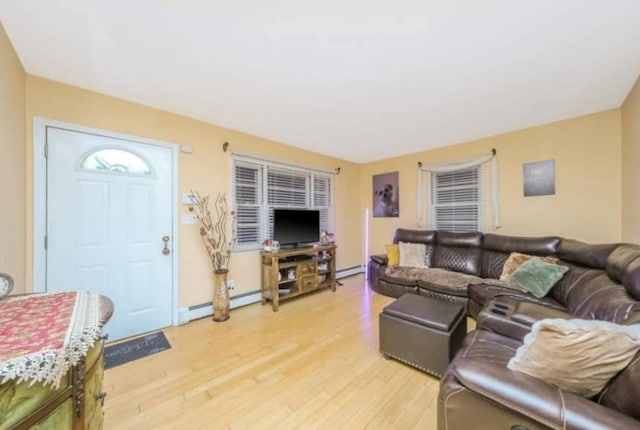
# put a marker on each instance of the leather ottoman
(423, 332)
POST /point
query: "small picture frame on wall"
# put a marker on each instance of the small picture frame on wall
(539, 178)
(386, 195)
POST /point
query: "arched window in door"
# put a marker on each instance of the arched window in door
(116, 160)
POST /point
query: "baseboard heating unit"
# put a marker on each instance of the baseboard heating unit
(206, 309)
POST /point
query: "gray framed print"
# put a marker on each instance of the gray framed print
(386, 195)
(539, 178)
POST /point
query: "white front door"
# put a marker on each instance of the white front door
(109, 217)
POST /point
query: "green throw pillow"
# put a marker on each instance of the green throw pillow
(537, 277)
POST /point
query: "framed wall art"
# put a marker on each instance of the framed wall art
(386, 195)
(539, 178)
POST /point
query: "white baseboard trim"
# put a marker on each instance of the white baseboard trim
(206, 309)
(355, 270)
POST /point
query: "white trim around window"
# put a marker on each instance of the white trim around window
(260, 185)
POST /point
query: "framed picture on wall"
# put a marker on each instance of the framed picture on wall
(386, 195)
(539, 178)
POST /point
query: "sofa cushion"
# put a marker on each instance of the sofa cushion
(631, 278)
(449, 282)
(585, 254)
(623, 391)
(516, 260)
(393, 254)
(526, 245)
(601, 298)
(572, 282)
(537, 276)
(427, 237)
(406, 276)
(460, 252)
(496, 249)
(619, 259)
(576, 355)
(412, 254)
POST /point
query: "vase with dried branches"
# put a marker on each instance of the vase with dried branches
(218, 234)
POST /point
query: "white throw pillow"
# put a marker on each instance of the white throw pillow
(412, 254)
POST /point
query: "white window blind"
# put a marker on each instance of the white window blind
(248, 196)
(457, 202)
(260, 186)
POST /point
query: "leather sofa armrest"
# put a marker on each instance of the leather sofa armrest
(534, 398)
(513, 318)
(381, 259)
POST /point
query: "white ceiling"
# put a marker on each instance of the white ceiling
(356, 79)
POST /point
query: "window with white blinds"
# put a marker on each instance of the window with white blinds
(457, 202)
(260, 186)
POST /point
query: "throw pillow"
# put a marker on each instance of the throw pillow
(516, 260)
(412, 254)
(393, 254)
(537, 277)
(580, 356)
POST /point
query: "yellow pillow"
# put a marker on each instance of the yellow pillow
(393, 254)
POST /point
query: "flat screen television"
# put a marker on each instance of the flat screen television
(296, 227)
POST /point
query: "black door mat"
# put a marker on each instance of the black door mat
(121, 353)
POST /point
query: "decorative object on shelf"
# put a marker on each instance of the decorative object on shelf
(386, 195)
(539, 178)
(291, 273)
(218, 234)
(324, 240)
(270, 245)
(327, 238)
(6, 285)
(323, 266)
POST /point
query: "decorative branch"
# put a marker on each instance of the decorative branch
(218, 232)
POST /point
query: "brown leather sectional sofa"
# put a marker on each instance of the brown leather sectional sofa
(478, 390)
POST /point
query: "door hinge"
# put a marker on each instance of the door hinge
(46, 150)
(46, 242)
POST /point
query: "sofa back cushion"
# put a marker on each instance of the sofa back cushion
(585, 254)
(496, 250)
(460, 252)
(623, 265)
(623, 391)
(572, 281)
(601, 298)
(426, 237)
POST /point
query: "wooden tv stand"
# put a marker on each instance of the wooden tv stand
(290, 273)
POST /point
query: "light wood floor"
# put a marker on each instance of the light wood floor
(313, 364)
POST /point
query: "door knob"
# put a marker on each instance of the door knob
(165, 250)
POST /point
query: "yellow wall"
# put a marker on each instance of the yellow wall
(587, 203)
(206, 170)
(12, 161)
(630, 163)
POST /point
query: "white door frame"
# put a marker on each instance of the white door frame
(40, 200)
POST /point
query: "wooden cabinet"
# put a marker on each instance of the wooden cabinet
(290, 273)
(75, 404)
